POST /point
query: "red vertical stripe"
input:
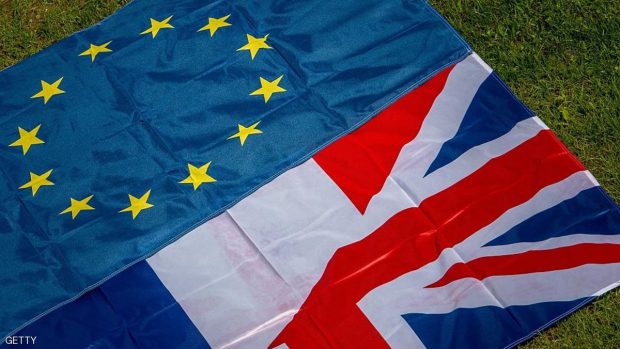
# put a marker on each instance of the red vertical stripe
(360, 162)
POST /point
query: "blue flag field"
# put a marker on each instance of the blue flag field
(286, 174)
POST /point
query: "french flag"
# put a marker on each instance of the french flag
(453, 219)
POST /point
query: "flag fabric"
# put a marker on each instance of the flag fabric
(452, 219)
(123, 137)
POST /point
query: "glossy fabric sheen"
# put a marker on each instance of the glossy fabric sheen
(134, 118)
(514, 238)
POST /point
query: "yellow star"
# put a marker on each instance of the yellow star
(215, 24)
(37, 181)
(94, 50)
(255, 44)
(48, 90)
(244, 132)
(27, 139)
(137, 204)
(268, 88)
(156, 26)
(77, 206)
(198, 175)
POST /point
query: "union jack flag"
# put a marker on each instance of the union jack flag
(453, 219)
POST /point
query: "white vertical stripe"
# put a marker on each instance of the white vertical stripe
(227, 288)
(256, 264)
(242, 276)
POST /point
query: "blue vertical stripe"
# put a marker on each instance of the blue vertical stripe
(132, 121)
(132, 310)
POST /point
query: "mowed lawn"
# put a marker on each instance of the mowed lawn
(561, 57)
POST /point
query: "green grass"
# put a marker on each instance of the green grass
(561, 57)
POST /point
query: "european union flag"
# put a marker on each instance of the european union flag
(121, 138)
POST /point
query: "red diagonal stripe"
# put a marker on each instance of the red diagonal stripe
(532, 262)
(501, 184)
(416, 237)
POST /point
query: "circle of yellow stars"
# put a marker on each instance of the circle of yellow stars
(197, 174)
